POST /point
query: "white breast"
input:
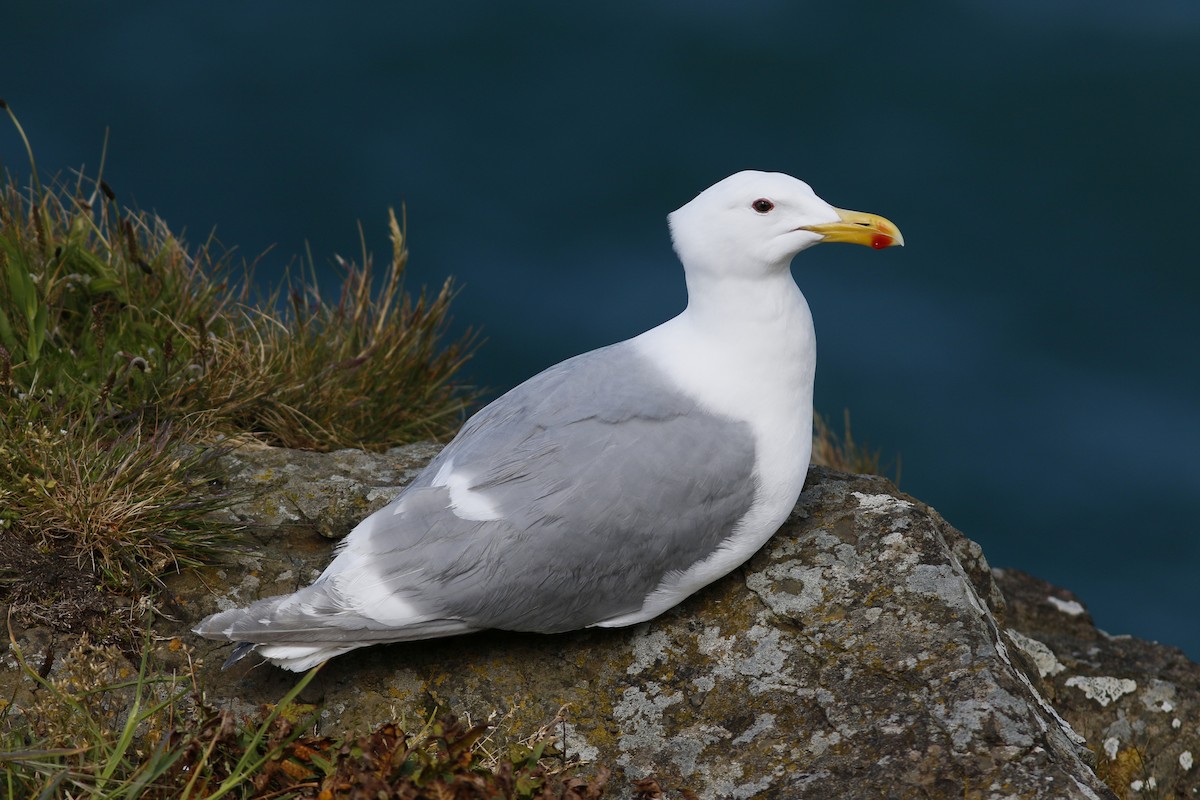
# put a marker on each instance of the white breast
(757, 367)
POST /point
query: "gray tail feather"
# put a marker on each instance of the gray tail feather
(323, 623)
(310, 616)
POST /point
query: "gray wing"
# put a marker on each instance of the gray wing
(602, 479)
(562, 504)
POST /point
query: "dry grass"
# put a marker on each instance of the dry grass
(106, 310)
(125, 507)
(843, 452)
(367, 370)
(127, 356)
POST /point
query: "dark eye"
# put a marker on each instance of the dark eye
(762, 205)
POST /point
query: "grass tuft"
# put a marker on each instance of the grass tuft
(368, 369)
(127, 359)
(107, 311)
(124, 506)
(842, 452)
(99, 729)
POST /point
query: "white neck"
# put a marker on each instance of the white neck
(744, 349)
(743, 307)
(747, 350)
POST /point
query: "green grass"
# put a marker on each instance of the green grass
(124, 505)
(101, 728)
(128, 359)
(104, 311)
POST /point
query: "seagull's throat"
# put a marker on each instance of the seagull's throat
(753, 305)
(753, 343)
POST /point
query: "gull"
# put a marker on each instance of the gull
(606, 489)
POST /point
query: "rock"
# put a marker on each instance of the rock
(1138, 703)
(862, 653)
(866, 651)
(328, 492)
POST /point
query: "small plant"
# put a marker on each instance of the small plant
(104, 311)
(842, 452)
(99, 728)
(367, 370)
(445, 761)
(129, 360)
(125, 506)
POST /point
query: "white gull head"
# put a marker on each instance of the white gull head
(753, 223)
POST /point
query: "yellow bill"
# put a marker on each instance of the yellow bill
(856, 227)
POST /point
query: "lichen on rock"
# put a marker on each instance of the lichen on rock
(868, 650)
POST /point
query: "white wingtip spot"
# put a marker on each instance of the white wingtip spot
(376, 594)
(465, 502)
(385, 607)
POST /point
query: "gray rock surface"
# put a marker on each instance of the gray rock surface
(867, 651)
(862, 653)
(1137, 702)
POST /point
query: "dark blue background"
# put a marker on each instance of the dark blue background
(1031, 355)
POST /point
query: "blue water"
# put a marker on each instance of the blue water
(1030, 355)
